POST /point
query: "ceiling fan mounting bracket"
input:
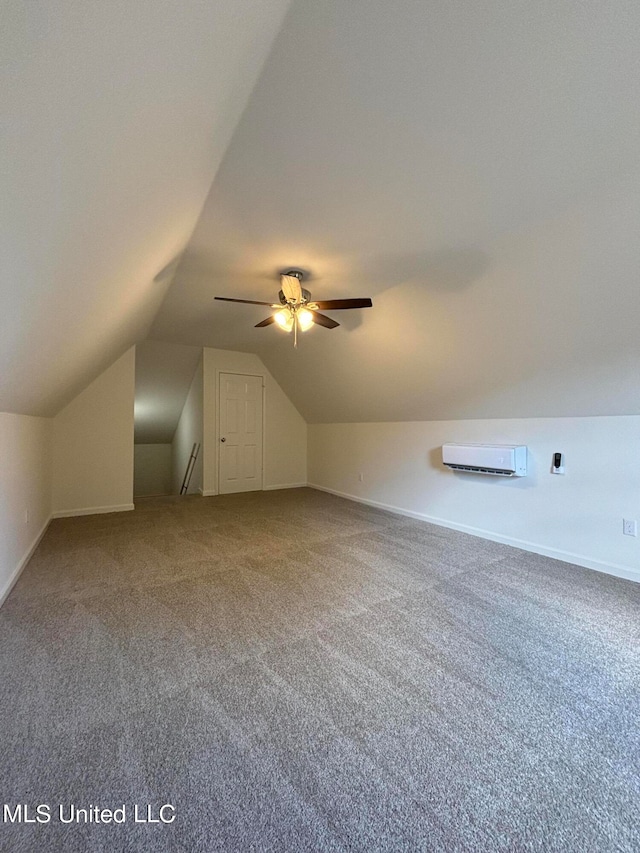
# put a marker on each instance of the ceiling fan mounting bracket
(296, 273)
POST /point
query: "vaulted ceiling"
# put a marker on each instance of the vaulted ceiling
(115, 118)
(473, 167)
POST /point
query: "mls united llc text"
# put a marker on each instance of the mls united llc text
(70, 813)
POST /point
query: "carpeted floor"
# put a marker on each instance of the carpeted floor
(351, 681)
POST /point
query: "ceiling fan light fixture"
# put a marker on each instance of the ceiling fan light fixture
(305, 319)
(297, 312)
(284, 319)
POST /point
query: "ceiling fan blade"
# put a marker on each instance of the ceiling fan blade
(246, 301)
(341, 304)
(291, 288)
(266, 322)
(321, 320)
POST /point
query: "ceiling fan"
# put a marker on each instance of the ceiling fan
(296, 311)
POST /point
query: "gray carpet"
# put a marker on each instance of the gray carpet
(359, 681)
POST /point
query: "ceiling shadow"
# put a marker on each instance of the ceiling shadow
(168, 270)
(446, 270)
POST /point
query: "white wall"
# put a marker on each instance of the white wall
(152, 472)
(25, 491)
(93, 445)
(575, 517)
(285, 437)
(189, 432)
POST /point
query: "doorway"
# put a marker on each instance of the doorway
(240, 429)
(168, 419)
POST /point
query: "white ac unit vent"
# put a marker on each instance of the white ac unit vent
(500, 460)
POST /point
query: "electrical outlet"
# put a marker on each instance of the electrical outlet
(629, 527)
(26, 516)
(361, 477)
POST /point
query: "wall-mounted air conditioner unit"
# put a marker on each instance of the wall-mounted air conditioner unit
(501, 460)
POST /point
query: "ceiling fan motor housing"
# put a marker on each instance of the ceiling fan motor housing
(306, 297)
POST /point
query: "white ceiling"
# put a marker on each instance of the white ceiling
(115, 117)
(473, 167)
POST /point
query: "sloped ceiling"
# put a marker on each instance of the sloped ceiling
(474, 167)
(115, 118)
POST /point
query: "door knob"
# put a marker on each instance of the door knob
(223, 439)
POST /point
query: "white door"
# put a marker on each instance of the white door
(240, 433)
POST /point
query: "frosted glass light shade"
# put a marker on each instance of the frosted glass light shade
(284, 319)
(305, 319)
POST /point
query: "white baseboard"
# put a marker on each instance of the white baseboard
(153, 495)
(284, 486)
(23, 562)
(566, 556)
(92, 510)
(208, 493)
